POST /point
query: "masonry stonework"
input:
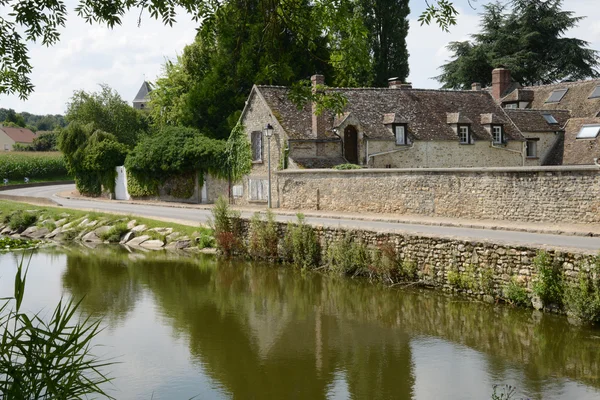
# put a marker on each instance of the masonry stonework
(532, 194)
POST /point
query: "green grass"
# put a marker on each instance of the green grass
(9, 207)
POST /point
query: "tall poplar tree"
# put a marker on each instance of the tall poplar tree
(387, 24)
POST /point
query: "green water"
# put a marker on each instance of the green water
(187, 327)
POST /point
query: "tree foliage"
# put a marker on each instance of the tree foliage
(41, 21)
(175, 150)
(239, 154)
(105, 110)
(529, 40)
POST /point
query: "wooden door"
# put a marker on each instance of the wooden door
(351, 144)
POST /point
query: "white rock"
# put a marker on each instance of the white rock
(131, 224)
(127, 237)
(152, 244)
(139, 228)
(138, 240)
(163, 231)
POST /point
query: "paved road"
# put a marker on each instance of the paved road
(199, 215)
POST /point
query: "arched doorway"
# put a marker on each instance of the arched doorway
(351, 144)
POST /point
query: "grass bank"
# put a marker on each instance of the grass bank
(21, 219)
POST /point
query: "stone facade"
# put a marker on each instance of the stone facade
(533, 194)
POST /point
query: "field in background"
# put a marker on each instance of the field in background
(37, 166)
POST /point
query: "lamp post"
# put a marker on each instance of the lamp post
(268, 134)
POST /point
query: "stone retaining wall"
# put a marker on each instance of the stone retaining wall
(533, 194)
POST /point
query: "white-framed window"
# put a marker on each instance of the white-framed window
(257, 148)
(532, 148)
(464, 134)
(497, 134)
(258, 189)
(511, 105)
(400, 133)
(6, 147)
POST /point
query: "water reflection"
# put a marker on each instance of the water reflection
(255, 331)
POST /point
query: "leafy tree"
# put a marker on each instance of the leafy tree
(42, 20)
(529, 40)
(11, 118)
(107, 111)
(46, 141)
(387, 23)
(175, 150)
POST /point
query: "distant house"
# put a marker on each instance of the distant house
(10, 136)
(574, 105)
(142, 99)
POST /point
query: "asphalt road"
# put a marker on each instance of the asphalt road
(199, 215)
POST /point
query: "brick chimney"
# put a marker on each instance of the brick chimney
(476, 86)
(318, 122)
(395, 83)
(500, 82)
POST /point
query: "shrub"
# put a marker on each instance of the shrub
(486, 280)
(341, 167)
(516, 293)
(206, 241)
(348, 257)
(263, 237)
(227, 226)
(115, 233)
(549, 285)
(300, 245)
(582, 298)
(21, 220)
(140, 186)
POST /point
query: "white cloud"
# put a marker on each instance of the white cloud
(89, 55)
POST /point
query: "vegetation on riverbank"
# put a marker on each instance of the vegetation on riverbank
(47, 358)
(66, 224)
(299, 244)
(40, 167)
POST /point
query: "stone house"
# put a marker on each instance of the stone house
(575, 106)
(10, 136)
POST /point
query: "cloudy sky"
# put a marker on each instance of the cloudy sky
(125, 56)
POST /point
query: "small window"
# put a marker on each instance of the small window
(550, 119)
(6, 147)
(237, 191)
(464, 136)
(142, 105)
(531, 148)
(497, 134)
(557, 96)
(400, 133)
(588, 132)
(511, 105)
(256, 146)
(596, 93)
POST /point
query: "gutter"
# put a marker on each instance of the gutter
(403, 148)
(522, 152)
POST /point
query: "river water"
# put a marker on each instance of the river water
(184, 327)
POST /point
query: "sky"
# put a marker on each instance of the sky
(125, 56)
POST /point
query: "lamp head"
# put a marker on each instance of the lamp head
(268, 130)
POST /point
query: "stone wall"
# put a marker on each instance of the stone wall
(435, 257)
(532, 194)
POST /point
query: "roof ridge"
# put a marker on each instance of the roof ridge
(386, 89)
(562, 83)
(537, 109)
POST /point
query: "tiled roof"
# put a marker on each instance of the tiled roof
(575, 100)
(142, 94)
(580, 151)
(425, 112)
(529, 120)
(19, 135)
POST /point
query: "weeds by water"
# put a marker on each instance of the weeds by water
(516, 293)
(549, 284)
(263, 237)
(582, 298)
(47, 360)
(115, 233)
(227, 225)
(300, 245)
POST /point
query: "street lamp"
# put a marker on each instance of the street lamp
(268, 134)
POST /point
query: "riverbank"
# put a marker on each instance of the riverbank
(19, 220)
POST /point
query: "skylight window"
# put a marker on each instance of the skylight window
(550, 119)
(557, 96)
(589, 132)
(596, 93)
